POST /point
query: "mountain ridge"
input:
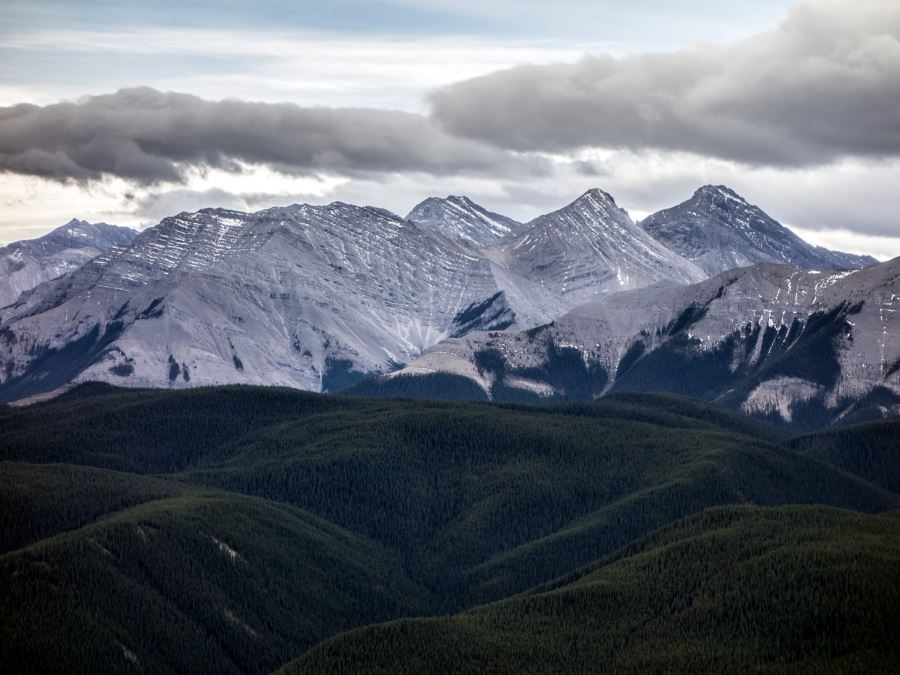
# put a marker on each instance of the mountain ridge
(284, 295)
(804, 347)
(27, 263)
(592, 246)
(316, 296)
(458, 217)
(719, 230)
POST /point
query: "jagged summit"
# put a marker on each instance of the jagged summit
(807, 347)
(591, 247)
(721, 191)
(459, 218)
(719, 230)
(599, 202)
(594, 211)
(305, 296)
(74, 226)
(25, 264)
(597, 194)
(313, 296)
(98, 235)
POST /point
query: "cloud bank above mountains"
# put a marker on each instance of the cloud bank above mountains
(149, 136)
(824, 85)
(814, 102)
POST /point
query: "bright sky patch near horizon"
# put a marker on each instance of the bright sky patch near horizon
(128, 112)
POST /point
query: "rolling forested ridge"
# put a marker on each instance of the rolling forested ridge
(249, 529)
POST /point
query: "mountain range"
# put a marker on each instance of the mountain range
(590, 248)
(572, 505)
(804, 347)
(322, 297)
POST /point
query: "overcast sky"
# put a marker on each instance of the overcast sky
(130, 111)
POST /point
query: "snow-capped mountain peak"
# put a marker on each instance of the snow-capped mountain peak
(719, 192)
(459, 218)
(25, 264)
(719, 230)
(805, 347)
(592, 247)
(597, 195)
(316, 296)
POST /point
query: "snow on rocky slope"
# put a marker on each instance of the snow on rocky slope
(808, 347)
(25, 264)
(304, 296)
(459, 218)
(719, 230)
(589, 248)
(317, 297)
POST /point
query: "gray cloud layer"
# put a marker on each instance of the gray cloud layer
(825, 84)
(149, 136)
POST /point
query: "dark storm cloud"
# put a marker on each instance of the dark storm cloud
(149, 136)
(825, 84)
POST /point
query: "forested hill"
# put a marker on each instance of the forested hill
(233, 529)
(728, 591)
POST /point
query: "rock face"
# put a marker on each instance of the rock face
(319, 297)
(805, 347)
(307, 296)
(592, 247)
(313, 297)
(719, 230)
(459, 218)
(25, 264)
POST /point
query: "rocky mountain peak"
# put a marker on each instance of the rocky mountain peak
(25, 264)
(592, 247)
(593, 210)
(712, 192)
(719, 230)
(459, 218)
(99, 235)
(596, 194)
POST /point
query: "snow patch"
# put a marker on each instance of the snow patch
(238, 621)
(226, 549)
(778, 395)
(129, 655)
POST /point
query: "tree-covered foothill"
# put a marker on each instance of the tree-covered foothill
(255, 523)
(734, 590)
